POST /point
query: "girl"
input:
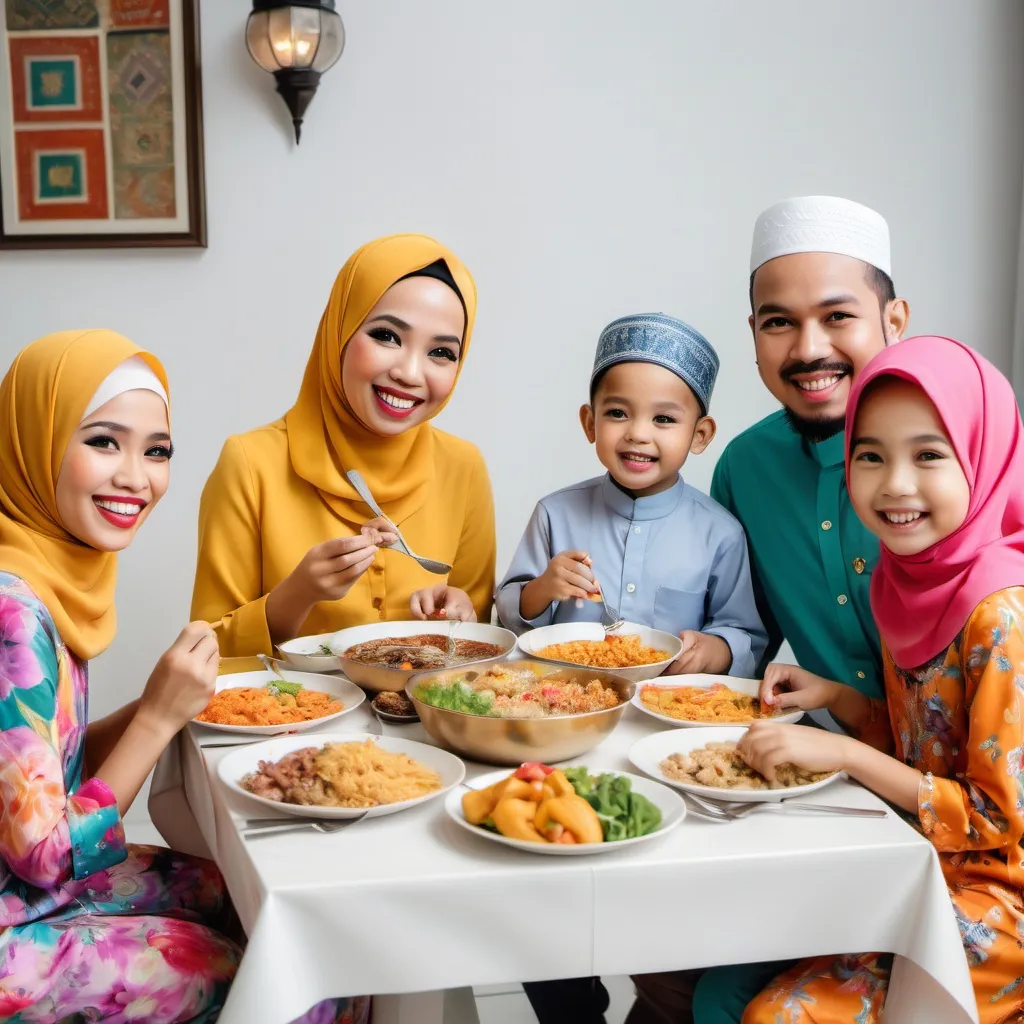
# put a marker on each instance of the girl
(286, 546)
(935, 467)
(91, 929)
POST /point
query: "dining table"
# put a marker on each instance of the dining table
(412, 908)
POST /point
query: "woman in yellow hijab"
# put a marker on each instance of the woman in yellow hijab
(286, 546)
(85, 454)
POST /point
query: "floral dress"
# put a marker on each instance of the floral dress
(959, 719)
(90, 928)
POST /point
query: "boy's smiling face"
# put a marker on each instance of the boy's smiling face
(645, 421)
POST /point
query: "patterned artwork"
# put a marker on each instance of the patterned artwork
(141, 123)
(91, 139)
(56, 80)
(139, 13)
(26, 15)
(62, 174)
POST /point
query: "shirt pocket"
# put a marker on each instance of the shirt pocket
(676, 610)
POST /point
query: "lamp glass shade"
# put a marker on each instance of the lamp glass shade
(295, 37)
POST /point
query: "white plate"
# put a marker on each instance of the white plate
(565, 632)
(246, 759)
(648, 753)
(301, 654)
(672, 808)
(348, 693)
(751, 686)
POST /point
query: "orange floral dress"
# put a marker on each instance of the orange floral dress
(960, 720)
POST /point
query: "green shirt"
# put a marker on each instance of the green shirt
(810, 556)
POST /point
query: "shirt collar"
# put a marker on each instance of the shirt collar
(655, 506)
(831, 452)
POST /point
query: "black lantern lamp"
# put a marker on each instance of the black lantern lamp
(297, 42)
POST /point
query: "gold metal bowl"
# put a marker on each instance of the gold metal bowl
(511, 741)
(377, 678)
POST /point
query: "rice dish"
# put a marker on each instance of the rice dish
(613, 651)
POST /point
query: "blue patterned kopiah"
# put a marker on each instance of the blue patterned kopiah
(664, 340)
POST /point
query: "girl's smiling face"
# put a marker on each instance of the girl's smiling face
(906, 483)
(115, 469)
(400, 365)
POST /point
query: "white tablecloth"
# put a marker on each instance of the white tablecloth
(411, 903)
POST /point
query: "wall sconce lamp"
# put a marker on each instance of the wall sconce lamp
(297, 42)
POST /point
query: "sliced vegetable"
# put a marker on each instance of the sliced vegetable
(533, 771)
(279, 686)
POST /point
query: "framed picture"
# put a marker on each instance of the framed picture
(101, 141)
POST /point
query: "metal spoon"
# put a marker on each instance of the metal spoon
(431, 565)
(270, 664)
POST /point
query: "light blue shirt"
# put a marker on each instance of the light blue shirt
(675, 560)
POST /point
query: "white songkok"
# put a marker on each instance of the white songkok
(821, 224)
(133, 374)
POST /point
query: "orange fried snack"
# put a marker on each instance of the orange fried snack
(715, 703)
(256, 705)
(614, 651)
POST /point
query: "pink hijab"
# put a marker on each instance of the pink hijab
(922, 602)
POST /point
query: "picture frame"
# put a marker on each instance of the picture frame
(101, 138)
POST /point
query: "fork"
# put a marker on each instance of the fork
(276, 826)
(734, 812)
(450, 652)
(610, 621)
(431, 565)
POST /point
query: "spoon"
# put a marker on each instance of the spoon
(431, 565)
(270, 664)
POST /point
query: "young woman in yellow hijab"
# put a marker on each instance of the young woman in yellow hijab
(91, 928)
(286, 546)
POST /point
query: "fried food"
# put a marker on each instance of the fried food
(720, 765)
(717, 703)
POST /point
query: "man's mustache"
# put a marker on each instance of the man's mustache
(818, 366)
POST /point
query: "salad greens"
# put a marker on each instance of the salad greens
(623, 813)
(278, 686)
(454, 697)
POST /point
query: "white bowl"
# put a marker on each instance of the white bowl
(301, 654)
(348, 693)
(240, 762)
(537, 639)
(648, 753)
(382, 677)
(672, 808)
(705, 682)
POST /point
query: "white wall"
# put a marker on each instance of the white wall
(587, 158)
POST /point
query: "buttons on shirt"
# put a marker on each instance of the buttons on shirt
(636, 529)
(630, 587)
(827, 525)
(377, 602)
(842, 599)
(859, 565)
(377, 567)
(861, 674)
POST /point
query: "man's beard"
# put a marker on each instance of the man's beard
(815, 430)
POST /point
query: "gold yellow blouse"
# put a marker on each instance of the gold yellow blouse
(258, 518)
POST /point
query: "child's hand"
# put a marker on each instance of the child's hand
(766, 745)
(568, 577)
(786, 686)
(702, 652)
(442, 602)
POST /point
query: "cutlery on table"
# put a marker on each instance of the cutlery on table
(734, 812)
(431, 565)
(276, 826)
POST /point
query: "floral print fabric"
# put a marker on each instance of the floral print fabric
(90, 929)
(959, 719)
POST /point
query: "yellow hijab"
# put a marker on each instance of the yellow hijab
(42, 401)
(325, 438)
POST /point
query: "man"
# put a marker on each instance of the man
(822, 304)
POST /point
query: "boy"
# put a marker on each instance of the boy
(662, 553)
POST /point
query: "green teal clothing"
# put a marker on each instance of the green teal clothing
(810, 556)
(722, 993)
